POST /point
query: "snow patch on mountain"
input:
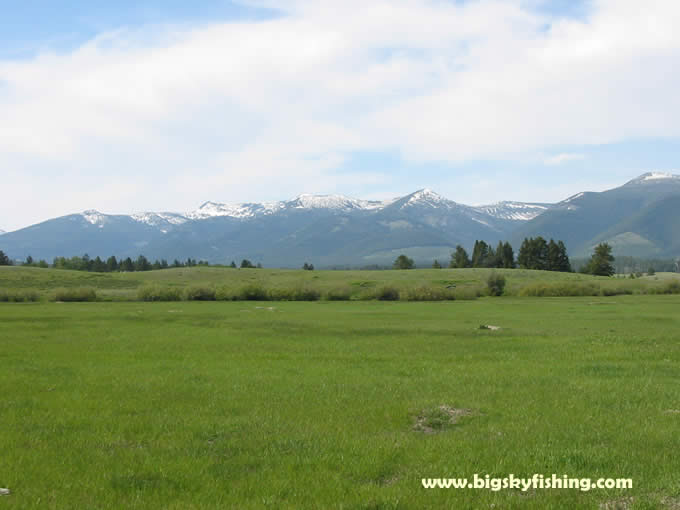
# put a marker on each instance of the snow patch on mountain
(156, 219)
(241, 211)
(332, 202)
(94, 217)
(518, 211)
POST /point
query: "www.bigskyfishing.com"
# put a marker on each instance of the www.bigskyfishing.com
(537, 481)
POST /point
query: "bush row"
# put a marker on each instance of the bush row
(255, 292)
(566, 289)
(75, 294)
(18, 296)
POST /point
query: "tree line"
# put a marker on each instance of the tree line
(112, 264)
(534, 253)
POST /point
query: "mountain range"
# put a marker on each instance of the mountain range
(638, 218)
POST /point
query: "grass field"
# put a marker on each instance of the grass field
(315, 405)
(124, 286)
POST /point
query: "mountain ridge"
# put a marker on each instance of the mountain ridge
(333, 229)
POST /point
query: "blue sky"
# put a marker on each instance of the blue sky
(162, 105)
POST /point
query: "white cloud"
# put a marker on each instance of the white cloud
(267, 109)
(564, 157)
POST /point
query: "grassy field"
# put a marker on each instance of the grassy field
(317, 405)
(124, 286)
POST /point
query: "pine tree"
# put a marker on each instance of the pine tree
(403, 262)
(508, 256)
(460, 258)
(112, 264)
(127, 265)
(480, 253)
(601, 261)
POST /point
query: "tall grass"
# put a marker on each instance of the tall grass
(154, 292)
(18, 296)
(75, 294)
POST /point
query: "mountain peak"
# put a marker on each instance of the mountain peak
(93, 216)
(654, 177)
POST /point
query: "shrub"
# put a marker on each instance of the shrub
(387, 293)
(281, 294)
(199, 293)
(252, 292)
(306, 294)
(467, 293)
(672, 287)
(560, 289)
(18, 296)
(225, 294)
(615, 291)
(427, 293)
(76, 294)
(338, 294)
(157, 293)
(495, 284)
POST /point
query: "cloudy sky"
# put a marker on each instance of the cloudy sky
(161, 105)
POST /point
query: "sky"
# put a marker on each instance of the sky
(161, 105)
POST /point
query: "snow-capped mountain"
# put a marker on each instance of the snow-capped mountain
(336, 229)
(654, 178)
(329, 228)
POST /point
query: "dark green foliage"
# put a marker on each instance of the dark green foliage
(232, 265)
(4, 259)
(308, 267)
(436, 264)
(97, 265)
(246, 264)
(76, 294)
(30, 262)
(651, 272)
(533, 254)
(536, 253)
(200, 293)
(403, 262)
(495, 284)
(505, 255)
(112, 264)
(601, 262)
(387, 293)
(481, 254)
(459, 258)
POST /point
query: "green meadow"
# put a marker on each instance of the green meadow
(345, 405)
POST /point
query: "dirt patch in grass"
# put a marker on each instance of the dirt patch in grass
(618, 504)
(489, 327)
(671, 503)
(438, 419)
